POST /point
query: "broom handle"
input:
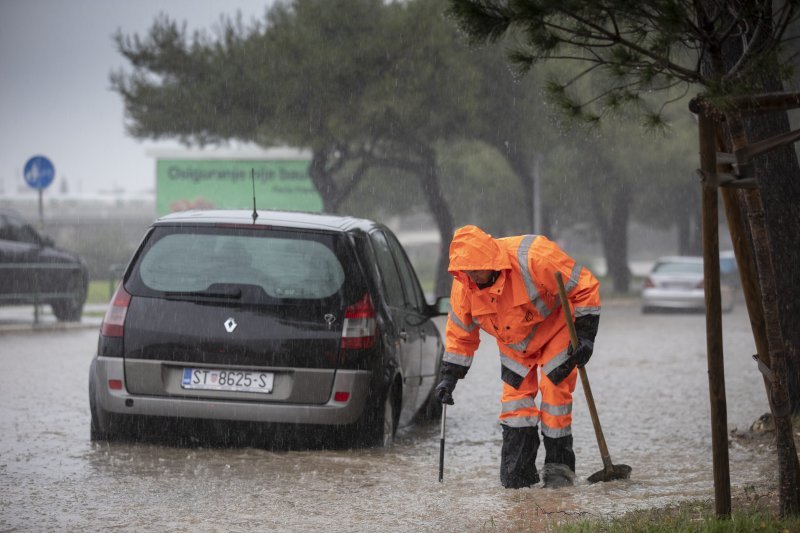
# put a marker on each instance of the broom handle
(587, 389)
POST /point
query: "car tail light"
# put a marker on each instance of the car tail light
(341, 396)
(114, 321)
(648, 283)
(359, 329)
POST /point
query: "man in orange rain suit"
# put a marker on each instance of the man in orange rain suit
(507, 288)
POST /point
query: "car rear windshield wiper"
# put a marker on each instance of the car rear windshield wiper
(233, 294)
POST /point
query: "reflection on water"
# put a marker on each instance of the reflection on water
(648, 376)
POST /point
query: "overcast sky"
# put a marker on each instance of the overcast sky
(55, 100)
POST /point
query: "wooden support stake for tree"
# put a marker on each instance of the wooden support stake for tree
(760, 103)
(716, 367)
(745, 263)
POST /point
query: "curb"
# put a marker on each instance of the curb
(20, 319)
(30, 327)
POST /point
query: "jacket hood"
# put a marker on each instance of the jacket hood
(474, 249)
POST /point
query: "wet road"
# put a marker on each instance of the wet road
(649, 380)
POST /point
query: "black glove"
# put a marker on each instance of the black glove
(586, 328)
(581, 355)
(444, 390)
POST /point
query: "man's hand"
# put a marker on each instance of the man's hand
(581, 355)
(586, 328)
(444, 390)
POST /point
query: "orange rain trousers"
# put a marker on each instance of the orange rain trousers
(555, 408)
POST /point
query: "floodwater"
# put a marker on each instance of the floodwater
(649, 380)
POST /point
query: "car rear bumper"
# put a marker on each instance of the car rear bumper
(354, 382)
(686, 299)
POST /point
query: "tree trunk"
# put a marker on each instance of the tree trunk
(444, 220)
(522, 166)
(779, 182)
(323, 181)
(688, 226)
(779, 185)
(615, 241)
(684, 235)
(788, 465)
(614, 236)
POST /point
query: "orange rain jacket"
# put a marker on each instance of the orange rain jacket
(522, 308)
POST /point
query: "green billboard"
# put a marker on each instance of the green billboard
(183, 184)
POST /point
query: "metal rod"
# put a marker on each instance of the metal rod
(441, 444)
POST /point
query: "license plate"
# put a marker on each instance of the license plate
(227, 380)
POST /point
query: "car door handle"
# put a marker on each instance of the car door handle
(404, 336)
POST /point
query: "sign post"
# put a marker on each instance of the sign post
(39, 173)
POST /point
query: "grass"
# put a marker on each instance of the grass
(754, 508)
(99, 291)
(751, 515)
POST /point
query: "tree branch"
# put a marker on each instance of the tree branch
(665, 62)
(750, 47)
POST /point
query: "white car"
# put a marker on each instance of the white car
(677, 282)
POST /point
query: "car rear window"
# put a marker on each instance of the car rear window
(679, 268)
(286, 265)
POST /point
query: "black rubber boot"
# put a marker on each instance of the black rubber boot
(559, 462)
(518, 457)
(557, 475)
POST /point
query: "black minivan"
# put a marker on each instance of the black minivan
(290, 318)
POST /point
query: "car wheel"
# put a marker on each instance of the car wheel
(98, 430)
(387, 435)
(379, 423)
(432, 409)
(71, 309)
(104, 426)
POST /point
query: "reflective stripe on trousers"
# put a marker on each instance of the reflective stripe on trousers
(555, 413)
(515, 367)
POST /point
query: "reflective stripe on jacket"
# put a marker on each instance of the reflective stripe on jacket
(522, 308)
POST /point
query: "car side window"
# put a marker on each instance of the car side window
(28, 234)
(390, 277)
(413, 292)
(18, 230)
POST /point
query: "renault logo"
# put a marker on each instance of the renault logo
(230, 325)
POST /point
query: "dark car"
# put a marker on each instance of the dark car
(34, 270)
(293, 319)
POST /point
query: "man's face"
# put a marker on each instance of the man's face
(478, 276)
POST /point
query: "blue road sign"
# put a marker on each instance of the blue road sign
(39, 172)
